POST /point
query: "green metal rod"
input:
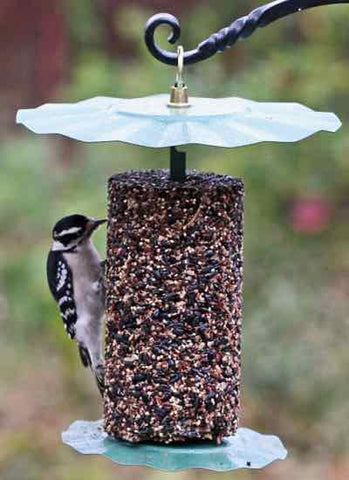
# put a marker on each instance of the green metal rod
(177, 165)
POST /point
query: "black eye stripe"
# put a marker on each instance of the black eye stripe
(65, 239)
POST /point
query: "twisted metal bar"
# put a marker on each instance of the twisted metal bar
(226, 37)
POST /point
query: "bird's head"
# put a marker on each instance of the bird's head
(73, 230)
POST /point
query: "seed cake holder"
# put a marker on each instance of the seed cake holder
(174, 264)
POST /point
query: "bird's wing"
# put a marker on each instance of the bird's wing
(60, 281)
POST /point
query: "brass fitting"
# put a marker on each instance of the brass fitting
(179, 91)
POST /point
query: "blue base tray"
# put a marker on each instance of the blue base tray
(246, 449)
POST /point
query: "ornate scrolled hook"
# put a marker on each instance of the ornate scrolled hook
(240, 29)
(162, 55)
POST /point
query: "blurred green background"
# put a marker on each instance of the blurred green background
(295, 334)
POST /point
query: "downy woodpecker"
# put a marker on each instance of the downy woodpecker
(75, 278)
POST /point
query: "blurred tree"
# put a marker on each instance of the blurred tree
(33, 53)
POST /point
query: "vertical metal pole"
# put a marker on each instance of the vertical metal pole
(177, 165)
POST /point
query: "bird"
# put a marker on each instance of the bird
(75, 279)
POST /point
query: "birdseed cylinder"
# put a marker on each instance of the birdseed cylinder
(173, 328)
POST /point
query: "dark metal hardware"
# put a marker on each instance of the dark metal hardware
(177, 165)
(240, 29)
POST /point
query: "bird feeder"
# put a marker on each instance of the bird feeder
(174, 263)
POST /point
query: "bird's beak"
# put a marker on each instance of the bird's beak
(94, 224)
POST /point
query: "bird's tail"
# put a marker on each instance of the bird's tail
(97, 370)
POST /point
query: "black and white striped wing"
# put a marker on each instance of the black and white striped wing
(60, 281)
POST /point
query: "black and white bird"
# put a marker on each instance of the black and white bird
(75, 278)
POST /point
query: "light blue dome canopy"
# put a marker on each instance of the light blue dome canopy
(150, 122)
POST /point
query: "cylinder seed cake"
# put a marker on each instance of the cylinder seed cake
(174, 279)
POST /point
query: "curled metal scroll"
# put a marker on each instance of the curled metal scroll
(217, 42)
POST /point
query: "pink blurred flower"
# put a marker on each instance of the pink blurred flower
(310, 215)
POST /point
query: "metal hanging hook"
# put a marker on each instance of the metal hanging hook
(240, 29)
(179, 92)
(180, 65)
